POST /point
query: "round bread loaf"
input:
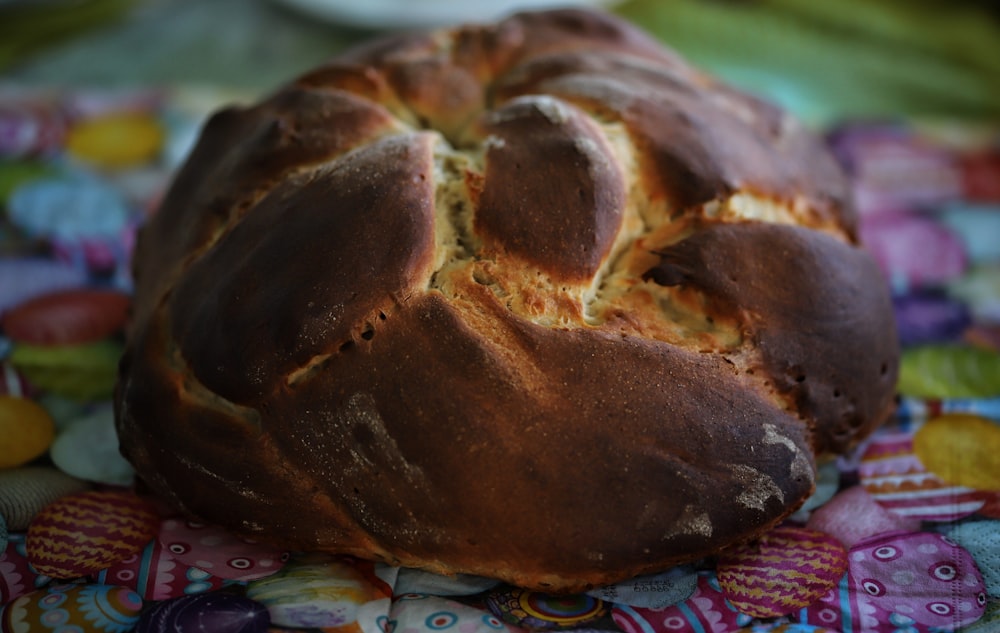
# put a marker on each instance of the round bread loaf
(535, 300)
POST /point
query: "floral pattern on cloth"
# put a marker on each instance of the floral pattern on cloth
(902, 535)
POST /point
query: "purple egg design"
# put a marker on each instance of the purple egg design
(216, 612)
(926, 317)
(917, 578)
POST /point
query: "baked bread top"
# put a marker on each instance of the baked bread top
(534, 300)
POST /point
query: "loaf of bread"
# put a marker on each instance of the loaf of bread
(535, 300)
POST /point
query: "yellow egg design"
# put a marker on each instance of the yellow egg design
(961, 449)
(117, 139)
(26, 431)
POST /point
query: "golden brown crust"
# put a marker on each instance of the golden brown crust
(533, 300)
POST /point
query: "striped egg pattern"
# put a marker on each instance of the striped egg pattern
(893, 474)
(787, 569)
(81, 534)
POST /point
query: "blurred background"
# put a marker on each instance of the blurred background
(825, 60)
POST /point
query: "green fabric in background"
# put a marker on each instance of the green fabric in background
(823, 60)
(848, 58)
(27, 27)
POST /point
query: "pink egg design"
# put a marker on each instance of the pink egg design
(17, 576)
(917, 578)
(218, 552)
(894, 168)
(854, 514)
(912, 249)
(155, 574)
(892, 473)
(837, 606)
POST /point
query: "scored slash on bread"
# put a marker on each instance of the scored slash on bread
(533, 300)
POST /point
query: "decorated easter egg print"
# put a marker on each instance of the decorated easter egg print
(104, 257)
(949, 371)
(892, 473)
(978, 228)
(916, 411)
(89, 104)
(537, 610)
(25, 491)
(989, 623)
(853, 515)
(412, 613)
(894, 168)
(87, 371)
(29, 127)
(963, 450)
(842, 608)
(83, 533)
(913, 250)
(216, 612)
(980, 290)
(24, 279)
(927, 317)
(317, 590)
(67, 317)
(219, 552)
(918, 578)
(17, 576)
(982, 540)
(26, 431)
(786, 569)
(68, 208)
(154, 574)
(87, 448)
(116, 139)
(706, 610)
(76, 608)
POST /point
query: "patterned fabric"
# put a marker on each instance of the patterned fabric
(902, 536)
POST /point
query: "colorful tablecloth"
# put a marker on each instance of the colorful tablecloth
(902, 535)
